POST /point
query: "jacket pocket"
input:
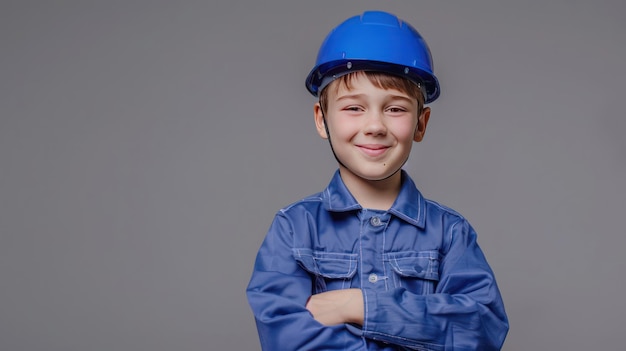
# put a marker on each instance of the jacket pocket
(331, 270)
(417, 271)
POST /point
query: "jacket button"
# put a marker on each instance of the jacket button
(373, 278)
(375, 221)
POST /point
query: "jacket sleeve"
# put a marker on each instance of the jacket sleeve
(278, 292)
(465, 312)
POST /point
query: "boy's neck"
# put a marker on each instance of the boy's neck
(372, 194)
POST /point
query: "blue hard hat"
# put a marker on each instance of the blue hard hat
(375, 41)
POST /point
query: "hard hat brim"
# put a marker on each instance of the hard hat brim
(324, 74)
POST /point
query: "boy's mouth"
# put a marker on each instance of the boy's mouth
(373, 150)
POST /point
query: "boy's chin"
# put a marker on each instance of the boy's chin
(374, 176)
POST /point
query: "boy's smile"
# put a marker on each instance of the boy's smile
(371, 129)
(373, 150)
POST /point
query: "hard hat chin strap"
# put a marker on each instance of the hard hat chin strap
(329, 141)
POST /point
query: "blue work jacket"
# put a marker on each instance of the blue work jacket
(426, 284)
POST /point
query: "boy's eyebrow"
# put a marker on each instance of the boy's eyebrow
(360, 96)
(350, 96)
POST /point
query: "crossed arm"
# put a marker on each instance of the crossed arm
(337, 307)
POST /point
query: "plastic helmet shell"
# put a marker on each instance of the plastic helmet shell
(375, 41)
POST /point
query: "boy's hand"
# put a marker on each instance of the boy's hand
(337, 307)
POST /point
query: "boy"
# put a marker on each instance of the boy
(369, 264)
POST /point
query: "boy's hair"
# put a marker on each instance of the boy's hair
(378, 79)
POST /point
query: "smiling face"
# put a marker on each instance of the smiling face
(371, 128)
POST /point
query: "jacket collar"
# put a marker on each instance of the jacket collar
(409, 205)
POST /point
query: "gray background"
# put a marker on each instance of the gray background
(146, 145)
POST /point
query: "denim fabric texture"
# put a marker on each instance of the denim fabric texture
(426, 284)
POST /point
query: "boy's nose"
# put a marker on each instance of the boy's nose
(374, 124)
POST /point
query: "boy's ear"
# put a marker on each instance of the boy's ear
(422, 121)
(319, 120)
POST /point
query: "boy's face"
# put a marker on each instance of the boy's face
(371, 129)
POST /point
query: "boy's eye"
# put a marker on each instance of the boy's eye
(396, 109)
(352, 108)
